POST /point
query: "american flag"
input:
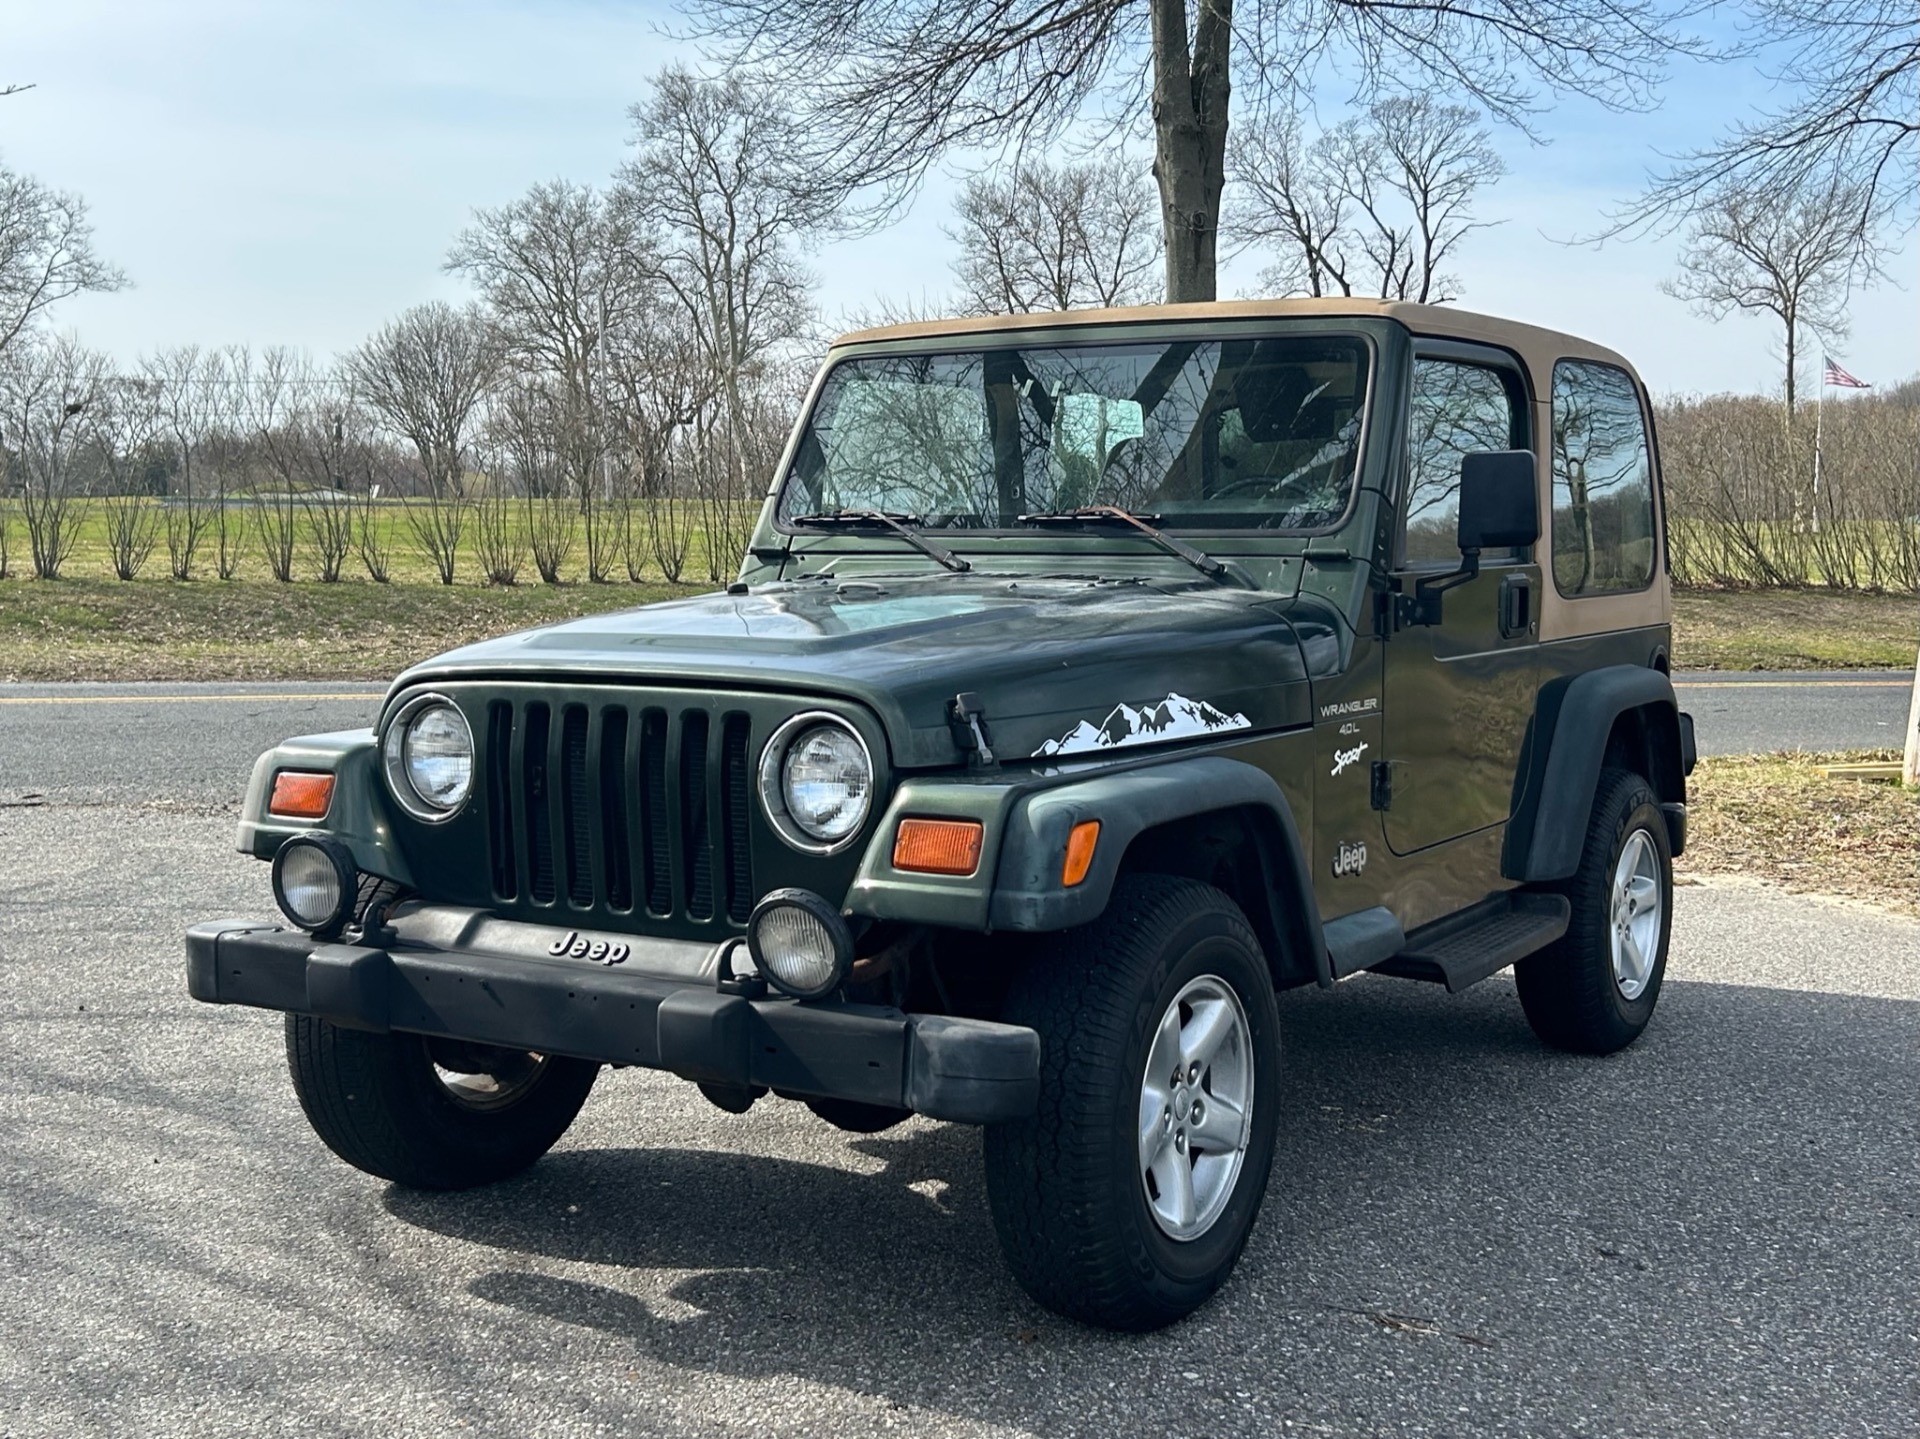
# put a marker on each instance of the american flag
(1837, 376)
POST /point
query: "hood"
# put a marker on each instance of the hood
(1061, 665)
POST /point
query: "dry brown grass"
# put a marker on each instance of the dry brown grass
(1774, 818)
(258, 630)
(1810, 629)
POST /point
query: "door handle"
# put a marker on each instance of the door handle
(1516, 606)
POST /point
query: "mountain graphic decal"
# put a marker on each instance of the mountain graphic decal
(1175, 717)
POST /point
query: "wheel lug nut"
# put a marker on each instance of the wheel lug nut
(1193, 1073)
(1180, 1140)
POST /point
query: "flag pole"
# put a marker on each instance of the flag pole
(1819, 418)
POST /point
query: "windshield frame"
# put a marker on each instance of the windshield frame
(1070, 336)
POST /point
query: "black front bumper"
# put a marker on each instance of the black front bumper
(966, 1070)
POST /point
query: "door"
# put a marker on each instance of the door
(1458, 693)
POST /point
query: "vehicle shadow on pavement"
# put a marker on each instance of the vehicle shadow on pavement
(1639, 1236)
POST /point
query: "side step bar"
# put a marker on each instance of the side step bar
(1466, 948)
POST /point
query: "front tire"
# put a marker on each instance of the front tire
(431, 1114)
(1126, 1200)
(1593, 990)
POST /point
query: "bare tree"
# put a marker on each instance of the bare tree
(46, 252)
(525, 443)
(1793, 257)
(499, 539)
(560, 270)
(1849, 72)
(272, 394)
(187, 385)
(721, 178)
(426, 374)
(1059, 237)
(126, 426)
(1375, 205)
(51, 390)
(891, 86)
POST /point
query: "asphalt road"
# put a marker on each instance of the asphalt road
(1759, 712)
(1715, 1233)
(193, 744)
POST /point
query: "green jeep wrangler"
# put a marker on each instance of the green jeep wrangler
(1089, 678)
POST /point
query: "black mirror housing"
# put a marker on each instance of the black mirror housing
(1499, 501)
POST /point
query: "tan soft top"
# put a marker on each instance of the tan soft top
(1540, 348)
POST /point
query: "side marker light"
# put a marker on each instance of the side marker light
(300, 796)
(938, 846)
(1080, 843)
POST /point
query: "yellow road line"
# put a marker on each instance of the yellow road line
(1793, 684)
(181, 699)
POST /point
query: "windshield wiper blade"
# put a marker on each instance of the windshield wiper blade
(871, 519)
(1216, 570)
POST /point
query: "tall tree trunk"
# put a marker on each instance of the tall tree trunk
(1190, 90)
(1793, 362)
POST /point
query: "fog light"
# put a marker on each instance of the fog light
(800, 943)
(315, 883)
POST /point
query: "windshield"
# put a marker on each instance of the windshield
(1202, 434)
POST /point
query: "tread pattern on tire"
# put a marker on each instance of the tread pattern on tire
(367, 1097)
(1568, 990)
(1060, 1225)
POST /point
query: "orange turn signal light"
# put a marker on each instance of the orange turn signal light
(1080, 845)
(300, 796)
(938, 846)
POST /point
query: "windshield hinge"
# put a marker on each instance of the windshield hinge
(967, 719)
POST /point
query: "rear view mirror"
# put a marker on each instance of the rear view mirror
(1499, 500)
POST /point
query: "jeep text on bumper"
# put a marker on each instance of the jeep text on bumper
(457, 974)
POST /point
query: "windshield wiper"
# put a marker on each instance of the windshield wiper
(879, 519)
(1213, 569)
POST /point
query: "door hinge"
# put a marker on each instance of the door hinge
(1383, 784)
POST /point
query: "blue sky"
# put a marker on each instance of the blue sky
(293, 173)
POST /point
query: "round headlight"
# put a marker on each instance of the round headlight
(315, 882)
(816, 780)
(799, 943)
(429, 757)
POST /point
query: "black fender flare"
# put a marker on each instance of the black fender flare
(1028, 894)
(1566, 746)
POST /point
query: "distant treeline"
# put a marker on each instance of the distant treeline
(1749, 506)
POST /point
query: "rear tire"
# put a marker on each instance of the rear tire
(1593, 990)
(431, 1114)
(1126, 1200)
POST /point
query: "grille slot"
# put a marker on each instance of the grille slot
(506, 882)
(616, 846)
(534, 766)
(606, 807)
(734, 800)
(658, 840)
(695, 835)
(577, 802)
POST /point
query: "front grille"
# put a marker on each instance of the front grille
(601, 804)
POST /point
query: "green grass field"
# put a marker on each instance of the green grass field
(92, 555)
(256, 629)
(100, 629)
(88, 625)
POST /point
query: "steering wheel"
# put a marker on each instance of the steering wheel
(1271, 487)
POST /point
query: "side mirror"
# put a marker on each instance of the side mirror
(1499, 503)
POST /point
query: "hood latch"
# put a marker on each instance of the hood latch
(967, 719)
